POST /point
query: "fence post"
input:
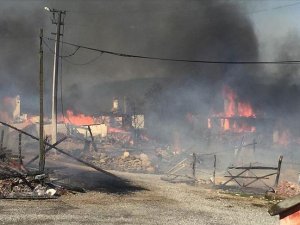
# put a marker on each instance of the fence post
(278, 170)
(215, 165)
(194, 165)
(2, 139)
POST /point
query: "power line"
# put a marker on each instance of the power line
(61, 56)
(85, 63)
(72, 54)
(48, 47)
(89, 13)
(274, 8)
(178, 60)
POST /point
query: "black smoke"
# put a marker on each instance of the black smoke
(204, 30)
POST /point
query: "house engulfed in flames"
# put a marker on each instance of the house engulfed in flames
(237, 117)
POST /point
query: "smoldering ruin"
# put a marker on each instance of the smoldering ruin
(175, 90)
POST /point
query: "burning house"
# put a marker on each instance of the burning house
(237, 117)
(240, 118)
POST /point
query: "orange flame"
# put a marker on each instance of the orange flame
(245, 109)
(226, 124)
(230, 99)
(209, 123)
(78, 119)
(234, 108)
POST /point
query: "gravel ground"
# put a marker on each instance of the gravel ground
(154, 202)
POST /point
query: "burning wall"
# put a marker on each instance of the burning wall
(237, 115)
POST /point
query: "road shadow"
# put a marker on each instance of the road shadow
(97, 181)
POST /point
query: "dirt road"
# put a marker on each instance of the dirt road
(153, 202)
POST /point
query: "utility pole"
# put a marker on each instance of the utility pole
(58, 21)
(42, 146)
(125, 105)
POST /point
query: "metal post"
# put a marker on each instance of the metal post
(41, 141)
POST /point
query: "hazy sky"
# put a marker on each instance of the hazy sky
(166, 28)
(272, 21)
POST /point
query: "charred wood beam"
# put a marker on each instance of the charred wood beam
(63, 152)
(18, 174)
(93, 140)
(47, 150)
(1, 140)
(278, 170)
(194, 165)
(259, 179)
(215, 166)
(84, 162)
(233, 178)
(56, 184)
(254, 177)
(253, 167)
(175, 168)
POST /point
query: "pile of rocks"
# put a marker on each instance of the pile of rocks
(16, 188)
(287, 189)
(127, 162)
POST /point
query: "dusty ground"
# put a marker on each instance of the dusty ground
(153, 202)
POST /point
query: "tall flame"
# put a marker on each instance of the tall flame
(234, 108)
(245, 109)
(78, 119)
(229, 102)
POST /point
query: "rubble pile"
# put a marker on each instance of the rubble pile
(18, 182)
(126, 162)
(287, 189)
(16, 188)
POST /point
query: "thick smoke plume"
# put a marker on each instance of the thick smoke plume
(166, 91)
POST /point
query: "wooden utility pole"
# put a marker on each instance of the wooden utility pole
(20, 149)
(57, 19)
(42, 146)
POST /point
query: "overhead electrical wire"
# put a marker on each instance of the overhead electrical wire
(48, 47)
(120, 54)
(62, 56)
(89, 13)
(72, 54)
(85, 63)
(274, 8)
